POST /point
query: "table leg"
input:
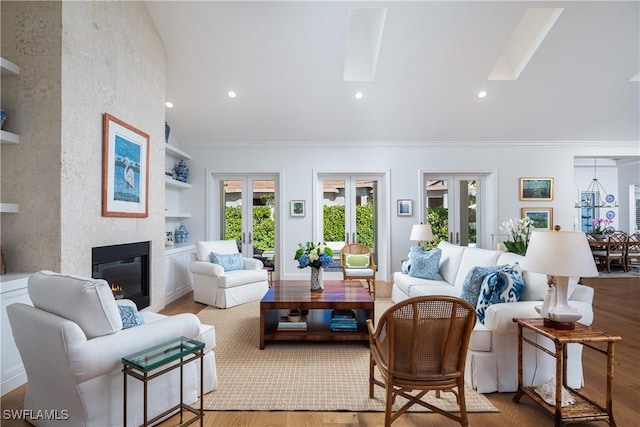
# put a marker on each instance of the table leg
(612, 422)
(124, 397)
(560, 360)
(144, 394)
(262, 326)
(518, 395)
(201, 387)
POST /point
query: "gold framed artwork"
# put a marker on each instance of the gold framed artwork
(536, 189)
(125, 169)
(542, 217)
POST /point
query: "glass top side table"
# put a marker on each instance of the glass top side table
(144, 366)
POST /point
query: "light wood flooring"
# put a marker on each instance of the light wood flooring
(615, 306)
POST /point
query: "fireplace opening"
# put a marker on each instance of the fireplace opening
(125, 268)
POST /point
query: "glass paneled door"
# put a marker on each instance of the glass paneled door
(453, 208)
(248, 216)
(349, 212)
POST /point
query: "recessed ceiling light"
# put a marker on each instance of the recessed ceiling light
(482, 94)
(358, 95)
(232, 94)
(168, 104)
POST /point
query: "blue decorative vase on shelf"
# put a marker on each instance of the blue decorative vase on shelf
(3, 117)
(167, 131)
(182, 171)
(181, 235)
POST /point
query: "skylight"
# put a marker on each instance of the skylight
(364, 37)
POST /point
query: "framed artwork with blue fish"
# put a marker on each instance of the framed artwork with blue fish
(125, 169)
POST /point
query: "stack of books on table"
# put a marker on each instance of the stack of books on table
(344, 320)
(286, 325)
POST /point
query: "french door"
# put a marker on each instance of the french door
(248, 214)
(453, 208)
(349, 211)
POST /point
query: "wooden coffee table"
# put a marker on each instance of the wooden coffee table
(337, 294)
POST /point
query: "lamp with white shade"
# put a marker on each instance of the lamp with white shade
(421, 233)
(560, 255)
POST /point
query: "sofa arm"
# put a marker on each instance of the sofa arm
(102, 355)
(206, 268)
(252, 264)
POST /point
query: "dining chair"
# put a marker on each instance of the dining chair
(633, 250)
(358, 263)
(613, 252)
(420, 345)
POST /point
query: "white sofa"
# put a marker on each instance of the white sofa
(72, 341)
(212, 285)
(493, 350)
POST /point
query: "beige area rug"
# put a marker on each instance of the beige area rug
(297, 376)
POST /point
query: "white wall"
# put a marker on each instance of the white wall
(296, 162)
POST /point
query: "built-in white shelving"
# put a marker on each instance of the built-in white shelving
(9, 137)
(172, 149)
(8, 67)
(177, 215)
(9, 208)
(175, 183)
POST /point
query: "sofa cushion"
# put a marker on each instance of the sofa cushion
(231, 279)
(204, 248)
(356, 260)
(474, 257)
(130, 316)
(229, 262)
(480, 338)
(504, 285)
(426, 265)
(87, 302)
(450, 260)
(473, 282)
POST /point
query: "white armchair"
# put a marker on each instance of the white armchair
(72, 341)
(213, 285)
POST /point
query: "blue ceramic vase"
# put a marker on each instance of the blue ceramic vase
(181, 235)
(182, 171)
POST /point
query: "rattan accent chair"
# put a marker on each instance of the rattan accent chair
(365, 272)
(614, 252)
(419, 345)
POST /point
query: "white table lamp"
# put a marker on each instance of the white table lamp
(421, 232)
(559, 255)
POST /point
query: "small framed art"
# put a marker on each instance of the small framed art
(125, 169)
(405, 207)
(298, 208)
(542, 217)
(536, 189)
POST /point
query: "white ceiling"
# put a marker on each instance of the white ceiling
(286, 61)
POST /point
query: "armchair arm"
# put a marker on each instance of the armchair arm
(206, 268)
(103, 354)
(252, 264)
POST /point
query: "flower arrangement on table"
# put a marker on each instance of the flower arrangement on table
(520, 232)
(601, 226)
(315, 255)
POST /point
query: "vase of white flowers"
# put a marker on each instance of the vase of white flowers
(520, 232)
(317, 256)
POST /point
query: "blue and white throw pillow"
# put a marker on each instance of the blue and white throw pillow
(425, 264)
(504, 285)
(130, 316)
(229, 262)
(473, 282)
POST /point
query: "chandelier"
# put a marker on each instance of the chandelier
(603, 198)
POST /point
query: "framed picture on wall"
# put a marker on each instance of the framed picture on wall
(297, 208)
(542, 217)
(536, 189)
(125, 169)
(405, 207)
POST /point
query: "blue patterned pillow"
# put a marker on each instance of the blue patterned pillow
(229, 262)
(425, 264)
(504, 285)
(473, 282)
(130, 316)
